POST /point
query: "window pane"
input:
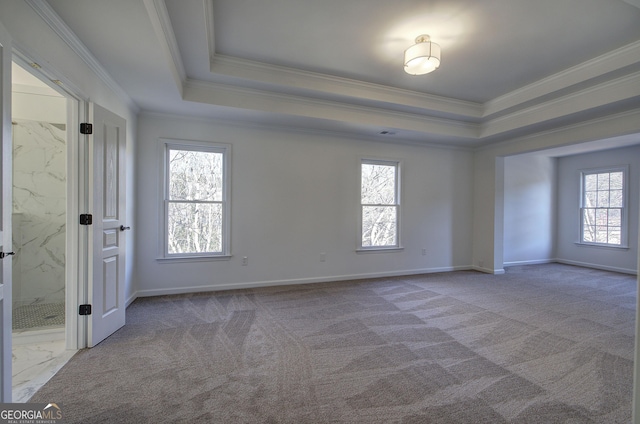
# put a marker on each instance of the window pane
(589, 216)
(195, 175)
(379, 226)
(378, 184)
(603, 181)
(614, 236)
(589, 233)
(195, 228)
(591, 182)
(615, 181)
(603, 199)
(615, 198)
(601, 234)
(591, 199)
(615, 217)
(601, 217)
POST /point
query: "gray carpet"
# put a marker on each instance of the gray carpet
(540, 344)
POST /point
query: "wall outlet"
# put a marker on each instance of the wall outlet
(424, 252)
(323, 257)
(245, 261)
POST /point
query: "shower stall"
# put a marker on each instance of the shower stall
(39, 220)
(39, 116)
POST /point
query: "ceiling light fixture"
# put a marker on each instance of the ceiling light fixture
(423, 57)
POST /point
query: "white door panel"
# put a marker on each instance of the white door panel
(107, 240)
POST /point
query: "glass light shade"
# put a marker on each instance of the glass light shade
(422, 58)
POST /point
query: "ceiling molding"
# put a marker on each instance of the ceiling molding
(63, 31)
(608, 62)
(211, 36)
(157, 11)
(619, 124)
(602, 94)
(241, 124)
(249, 98)
(312, 81)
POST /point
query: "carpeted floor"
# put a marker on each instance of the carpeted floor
(540, 344)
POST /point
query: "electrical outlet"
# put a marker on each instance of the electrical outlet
(323, 257)
(245, 261)
(424, 252)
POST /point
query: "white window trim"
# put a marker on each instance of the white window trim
(624, 227)
(164, 146)
(381, 249)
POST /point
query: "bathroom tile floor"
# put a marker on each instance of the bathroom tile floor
(34, 363)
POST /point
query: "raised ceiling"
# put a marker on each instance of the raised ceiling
(509, 67)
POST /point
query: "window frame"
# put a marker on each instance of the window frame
(398, 205)
(624, 209)
(197, 146)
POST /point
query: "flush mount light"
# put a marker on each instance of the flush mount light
(423, 57)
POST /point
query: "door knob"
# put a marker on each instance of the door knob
(123, 228)
(4, 255)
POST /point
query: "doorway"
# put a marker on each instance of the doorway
(40, 117)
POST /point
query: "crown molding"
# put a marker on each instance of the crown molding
(267, 101)
(599, 95)
(615, 125)
(63, 31)
(211, 37)
(157, 11)
(608, 62)
(295, 78)
(262, 126)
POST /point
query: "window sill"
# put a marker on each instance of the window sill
(379, 249)
(602, 246)
(194, 258)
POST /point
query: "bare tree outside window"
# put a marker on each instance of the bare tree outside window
(195, 202)
(379, 202)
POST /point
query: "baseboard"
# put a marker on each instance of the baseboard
(597, 266)
(532, 262)
(131, 298)
(255, 284)
(488, 270)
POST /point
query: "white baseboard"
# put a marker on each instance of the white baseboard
(532, 262)
(596, 266)
(254, 284)
(488, 270)
(131, 298)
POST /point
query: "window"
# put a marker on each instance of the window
(196, 200)
(380, 204)
(603, 214)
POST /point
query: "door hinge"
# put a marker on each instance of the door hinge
(86, 128)
(86, 219)
(84, 309)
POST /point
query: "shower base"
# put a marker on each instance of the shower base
(38, 316)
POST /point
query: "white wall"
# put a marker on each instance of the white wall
(624, 260)
(529, 209)
(295, 195)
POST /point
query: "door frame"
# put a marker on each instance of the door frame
(76, 256)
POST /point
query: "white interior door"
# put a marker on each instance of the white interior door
(5, 214)
(107, 233)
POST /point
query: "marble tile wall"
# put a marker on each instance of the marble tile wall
(39, 212)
